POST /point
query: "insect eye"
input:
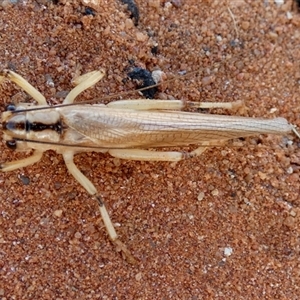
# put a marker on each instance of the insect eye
(10, 107)
(12, 144)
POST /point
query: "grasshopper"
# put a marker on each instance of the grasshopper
(125, 129)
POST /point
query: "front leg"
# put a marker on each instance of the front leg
(16, 164)
(25, 85)
(82, 83)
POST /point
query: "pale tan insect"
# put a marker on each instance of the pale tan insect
(123, 128)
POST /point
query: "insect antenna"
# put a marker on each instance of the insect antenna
(111, 96)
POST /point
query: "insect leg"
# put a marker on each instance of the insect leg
(157, 104)
(25, 85)
(204, 146)
(234, 105)
(296, 132)
(13, 165)
(145, 104)
(90, 188)
(146, 155)
(83, 82)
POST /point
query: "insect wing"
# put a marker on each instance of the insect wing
(124, 128)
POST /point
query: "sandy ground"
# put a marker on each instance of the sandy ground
(224, 225)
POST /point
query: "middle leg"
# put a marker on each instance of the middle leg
(90, 188)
